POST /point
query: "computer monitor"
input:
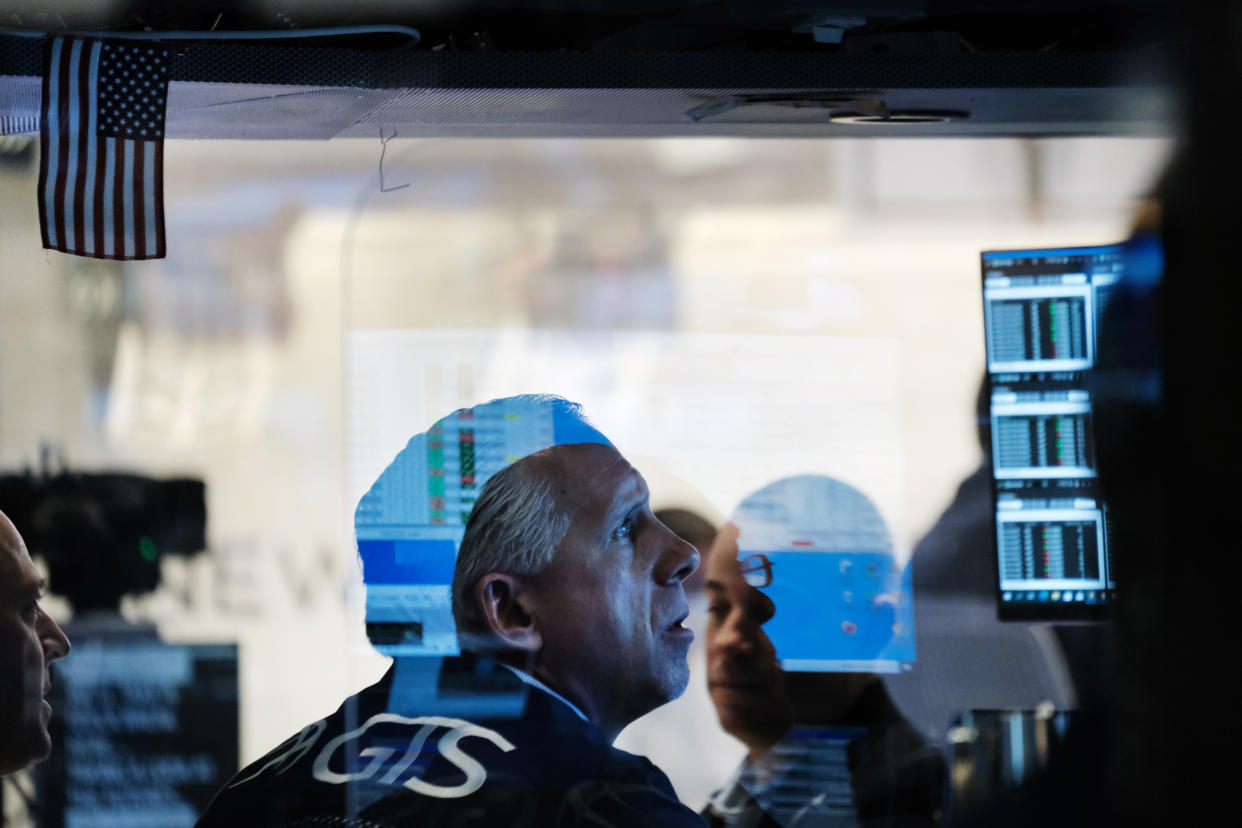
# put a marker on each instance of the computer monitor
(1041, 310)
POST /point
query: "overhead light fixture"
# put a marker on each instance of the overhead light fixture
(907, 118)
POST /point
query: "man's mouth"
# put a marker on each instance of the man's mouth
(678, 627)
(742, 680)
(744, 685)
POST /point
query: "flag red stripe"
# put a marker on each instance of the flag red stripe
(97, 191)
(159, 197)
(79, 175)
(62, 121)
(140, 219)
(118, 201)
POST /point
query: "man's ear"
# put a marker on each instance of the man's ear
(501, 604)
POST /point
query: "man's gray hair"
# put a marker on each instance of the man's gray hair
(515, 527)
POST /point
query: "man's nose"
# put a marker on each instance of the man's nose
(55, 642)
(683, 559)
(736, 634)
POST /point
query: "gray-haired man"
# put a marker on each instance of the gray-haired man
(567, 594)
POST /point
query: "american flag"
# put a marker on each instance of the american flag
(101, 176)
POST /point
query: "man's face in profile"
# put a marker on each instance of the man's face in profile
(29, 642)
(610, 606)
(755, 699)
(744, 675)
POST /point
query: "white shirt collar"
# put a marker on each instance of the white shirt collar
(527, 678)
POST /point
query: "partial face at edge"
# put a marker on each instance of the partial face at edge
(609, 607)
(29, 641)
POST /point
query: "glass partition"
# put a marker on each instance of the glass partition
(729, 312)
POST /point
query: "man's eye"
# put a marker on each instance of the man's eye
(718, 611)
(624, 530)
(31, 610)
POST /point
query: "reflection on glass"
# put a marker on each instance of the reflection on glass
(844, 602)
(825, 743)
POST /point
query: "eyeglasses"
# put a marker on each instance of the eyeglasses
(757, 570)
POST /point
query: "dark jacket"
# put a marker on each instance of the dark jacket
(516, 756)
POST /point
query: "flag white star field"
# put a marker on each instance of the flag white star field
(101, 175)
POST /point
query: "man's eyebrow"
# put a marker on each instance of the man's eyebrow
(629, 497)
(24, 589)
(714, 585)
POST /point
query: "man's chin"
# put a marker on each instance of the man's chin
(743, 694)
(677, 679)
(671, 683)
(36, 747)
(41, 747)
(752, 719)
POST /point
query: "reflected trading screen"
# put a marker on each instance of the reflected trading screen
(145, 731)
(1041, 312)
